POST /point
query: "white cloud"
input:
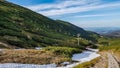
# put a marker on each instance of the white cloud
(61, 4)
(71, 6)
(96, 15)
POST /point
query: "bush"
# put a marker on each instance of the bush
(67, 51)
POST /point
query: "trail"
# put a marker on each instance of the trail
(112, 63)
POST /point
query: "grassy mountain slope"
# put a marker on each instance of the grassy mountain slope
(21, 27)
(110, 43)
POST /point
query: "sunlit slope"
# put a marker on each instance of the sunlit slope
(21, 27)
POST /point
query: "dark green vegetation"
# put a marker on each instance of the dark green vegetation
(47, 55)
(21, 27)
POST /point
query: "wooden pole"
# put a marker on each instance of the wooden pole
(78, 38)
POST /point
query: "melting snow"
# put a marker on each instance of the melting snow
(95, 50)
(82, 57)
(1, 49)
(38, 48)
(85, 56)
(14, 65)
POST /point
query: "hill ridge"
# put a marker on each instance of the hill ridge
(21, 27)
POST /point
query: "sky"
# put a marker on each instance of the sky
(83, 13)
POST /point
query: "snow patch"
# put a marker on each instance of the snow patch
(82, 57)
(14, 65)
(65, 63)
(85, 56)
(95, 50)
(38, 48)
(1, 49)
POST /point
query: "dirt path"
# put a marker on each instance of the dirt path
(102, 62)
(112, 63)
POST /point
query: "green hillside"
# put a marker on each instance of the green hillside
(111, 43)
(21, 27)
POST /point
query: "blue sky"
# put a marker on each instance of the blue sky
(83, 13)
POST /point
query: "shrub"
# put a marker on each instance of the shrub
(67, 51)
(87, 64)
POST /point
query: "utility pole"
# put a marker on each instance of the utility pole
(78, 38)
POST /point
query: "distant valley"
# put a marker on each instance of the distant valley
(108, 31)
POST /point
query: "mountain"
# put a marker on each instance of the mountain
(102, 30)
(21, 27)
(115, 33)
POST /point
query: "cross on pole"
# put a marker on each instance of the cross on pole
(78, 38)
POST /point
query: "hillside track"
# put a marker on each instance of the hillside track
(112, 63)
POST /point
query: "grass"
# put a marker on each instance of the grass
(114, 44)
(87, 64)
(67, 51)
(45, 56)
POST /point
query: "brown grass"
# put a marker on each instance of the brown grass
(31, 56)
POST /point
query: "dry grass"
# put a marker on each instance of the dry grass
(47, 55)
(103, 61)
(30, 56)
(88, 64)
(117, 56)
